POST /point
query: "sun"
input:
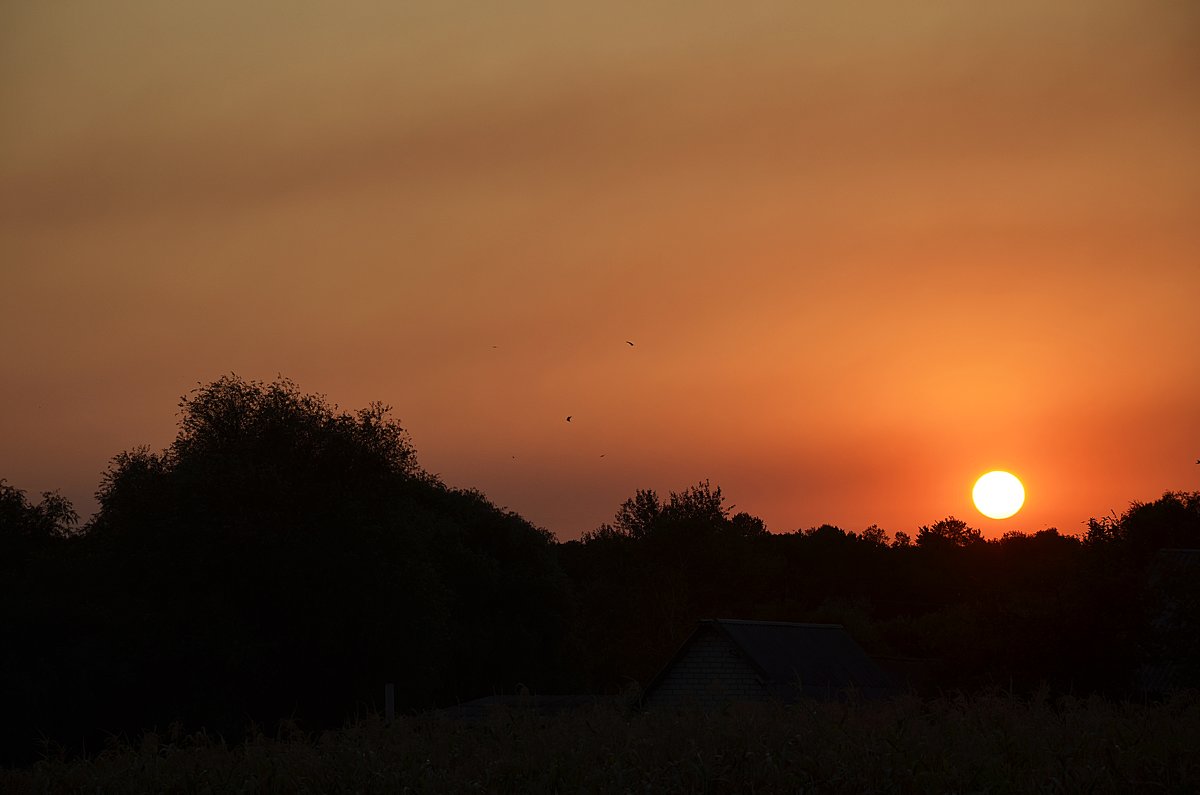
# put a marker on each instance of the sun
(998, 495)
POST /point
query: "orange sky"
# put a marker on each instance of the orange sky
(866, 254)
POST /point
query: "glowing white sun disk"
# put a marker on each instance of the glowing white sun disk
(998, 495)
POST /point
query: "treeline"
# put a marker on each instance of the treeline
(283, 559)
(946, 610)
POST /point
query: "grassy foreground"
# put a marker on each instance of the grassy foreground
(984, 744)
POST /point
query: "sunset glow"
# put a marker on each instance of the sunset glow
(809, 218)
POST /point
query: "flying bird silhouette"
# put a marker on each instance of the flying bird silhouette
(630, 344)
(568, 418)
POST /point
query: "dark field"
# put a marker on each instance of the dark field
(981, 744)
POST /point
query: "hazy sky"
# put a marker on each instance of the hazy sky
(866, 252)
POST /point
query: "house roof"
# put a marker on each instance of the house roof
(819, 654)
(809, 658)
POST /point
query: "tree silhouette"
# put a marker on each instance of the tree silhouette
(281, 557)
(251, 451)
(875, 535)
(696, 512)
(1173, 520)
(26, 528)
(948, 532)
(637, 516)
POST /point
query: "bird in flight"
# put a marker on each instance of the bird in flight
(568, 418)
(630, 344)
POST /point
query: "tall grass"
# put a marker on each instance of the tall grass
(982, 744)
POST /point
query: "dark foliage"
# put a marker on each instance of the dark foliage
(951, 611)
(26, 530)
(280, 558)
(284, 558)
(948, 532)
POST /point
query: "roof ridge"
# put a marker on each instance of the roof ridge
(772, 623)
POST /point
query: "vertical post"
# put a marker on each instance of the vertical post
(389, 701)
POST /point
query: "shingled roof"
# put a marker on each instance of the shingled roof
(730, 659)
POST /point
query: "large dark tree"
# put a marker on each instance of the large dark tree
(285, 557)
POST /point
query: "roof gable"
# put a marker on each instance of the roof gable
(815, 656)
(791, 659)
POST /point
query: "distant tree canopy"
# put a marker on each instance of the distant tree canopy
(1037, 607)
(1172, 521)
(948, 532)
(695, 513)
